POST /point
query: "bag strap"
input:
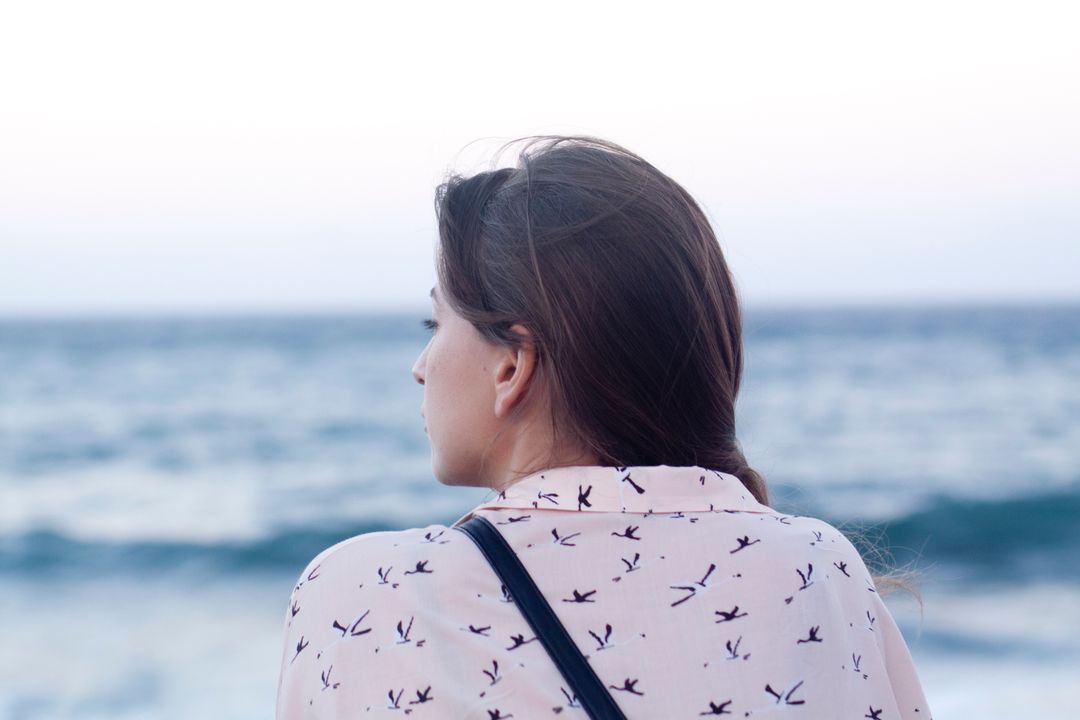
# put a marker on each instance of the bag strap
(596, 700)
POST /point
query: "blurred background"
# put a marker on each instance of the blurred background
(216, 246)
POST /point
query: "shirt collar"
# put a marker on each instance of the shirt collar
(637, 488)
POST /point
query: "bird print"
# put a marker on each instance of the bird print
(733, 649)
(637, 488)
(806, 581)
(717, 709)
(422, 696)
(629, 686)
(581, 597)
(744, 542)
(550, 497)
(518, 641)
(728, 615)
(583, 497)
(493, 673)
(325, 676)
(602, 642)
(300, 646)
(691, 588)
(356, 633)
(563, 540)
(785, 697)
(421, 567)
(403, 631)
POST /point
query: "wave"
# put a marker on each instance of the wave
(51, 553)
(1031, 536)
(1035, 535)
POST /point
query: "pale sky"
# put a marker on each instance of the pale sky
(255, 156)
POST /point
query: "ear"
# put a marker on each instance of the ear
(515, 371)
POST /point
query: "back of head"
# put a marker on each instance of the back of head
(617, 273)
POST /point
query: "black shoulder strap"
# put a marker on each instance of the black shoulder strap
(590, 691)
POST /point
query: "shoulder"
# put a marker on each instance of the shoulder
(362, 553)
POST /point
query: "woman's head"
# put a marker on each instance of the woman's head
(601, 279)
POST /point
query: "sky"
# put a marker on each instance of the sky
(225, 156)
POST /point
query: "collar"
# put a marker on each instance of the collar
(637, 488)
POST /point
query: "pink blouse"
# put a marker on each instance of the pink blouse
(687, 596)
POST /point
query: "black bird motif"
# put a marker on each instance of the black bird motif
(325, 675)
(355, 629)
(744, 542)
(519, 640)
(806, 581)
(480, 630)
(571, 700)
(715, 709)
(384, 575)
(872, 620)
(817, 537)
(422, 697)
(550, 497)
(583, 497)
(299, 647)
(726, 615)
(294, 609)
(733, 649)
(785, 696)
(506, 595)
(421, 567)
(562, 540)
(813, 636)
(692, 590)
(496, 714)
(874, 714)
(602, 642)
(511, 520)
(428, 537)
(580, 597)
(628, 533)
(395, 699)
(640, 490)
(403, 631)
(628, 686)
(493, 673)
(314, 572)
(631, 566)
(842, 567)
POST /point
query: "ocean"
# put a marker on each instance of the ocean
(163, 481)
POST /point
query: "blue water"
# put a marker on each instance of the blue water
(163, 481)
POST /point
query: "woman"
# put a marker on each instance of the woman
(584, 365)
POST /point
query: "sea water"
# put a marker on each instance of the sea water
(163, 481)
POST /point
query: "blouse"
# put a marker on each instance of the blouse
(687, 597)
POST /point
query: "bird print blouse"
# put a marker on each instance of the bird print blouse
(687, 597)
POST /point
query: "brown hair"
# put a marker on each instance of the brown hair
(616, 272)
